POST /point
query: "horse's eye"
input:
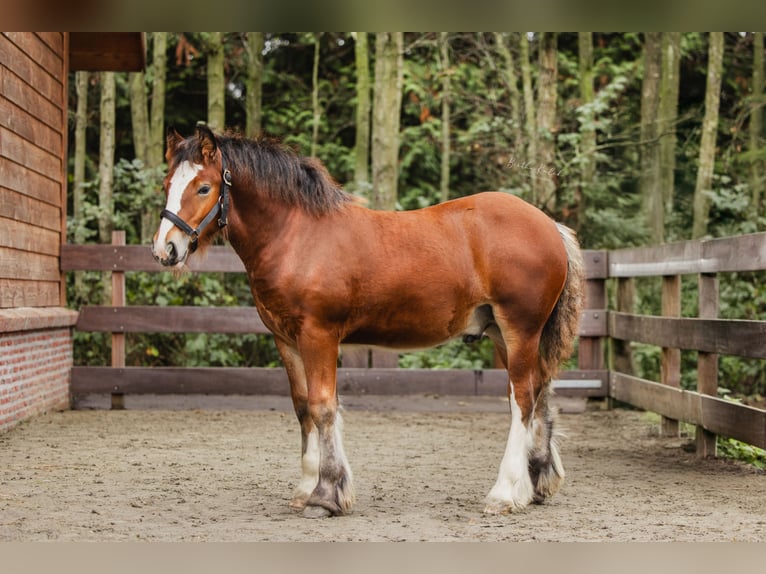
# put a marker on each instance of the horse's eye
(204, 190)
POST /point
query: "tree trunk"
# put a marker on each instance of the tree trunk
(216, 83)
(106, 157)
(545, 195)
(156, 152)
(139, 115)
(317, 113)
(387, 105)
(148, 129)
(514, 97)
(254, 94)
(444, 64)
(756, 127)
(649, 182)
(530, 126)
(669, 86)
(81, 124)
(80, 148)
(588, 129)
(362, 144)
(704, 186)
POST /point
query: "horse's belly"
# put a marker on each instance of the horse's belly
(421, 331)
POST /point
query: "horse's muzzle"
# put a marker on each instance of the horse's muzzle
(172, 255)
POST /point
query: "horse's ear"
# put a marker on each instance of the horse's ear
(173, 139)
(207, 142)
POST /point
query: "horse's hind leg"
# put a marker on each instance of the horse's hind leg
(514, 488)
(309, 435)
(531, 468)
(545, 467)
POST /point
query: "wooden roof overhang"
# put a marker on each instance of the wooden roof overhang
(107, 51)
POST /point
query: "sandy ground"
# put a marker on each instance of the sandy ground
(223, 469)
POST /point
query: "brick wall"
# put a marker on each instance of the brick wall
(35, 362)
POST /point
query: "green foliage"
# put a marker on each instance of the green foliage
(452, 355)
(738, 450)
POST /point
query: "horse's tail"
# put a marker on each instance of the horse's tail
(560, 331)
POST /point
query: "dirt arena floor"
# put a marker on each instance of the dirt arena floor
(223, 469)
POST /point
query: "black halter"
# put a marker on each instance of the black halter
(221, 206)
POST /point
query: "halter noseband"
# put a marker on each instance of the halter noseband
(221, 206)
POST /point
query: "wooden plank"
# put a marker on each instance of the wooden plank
(16, 264)
(38, 75)
(15, 148)
(179, 380)
(13, 88)
(670, 362)
(596, 263)
(722, 336)
(217, 259)
(594, 323)
(19, 179)
(113, 51)
(25, 237)
(21, 293)
(118, 339)
(28, 126)
(622, 354)
(54, 40)
(707, 363)
(22, 208)
(251, 381)
(354, 356)
(716, 415)
(740, 253)
(667, 259)
(38, 51)
(175, 319)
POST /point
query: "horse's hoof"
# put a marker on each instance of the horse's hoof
(495, 509)
(316, 512)
(298, 503)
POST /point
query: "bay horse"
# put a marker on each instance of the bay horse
(326, 271)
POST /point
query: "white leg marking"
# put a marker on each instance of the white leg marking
(347, 497)
(310, 471)
(513, 489)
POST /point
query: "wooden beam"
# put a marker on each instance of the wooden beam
(716, 415)
(107, 51)
(740, 253)
(176, 319)
(216, 259)
(723, 336)
(250, 381)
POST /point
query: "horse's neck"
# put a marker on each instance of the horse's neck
(255, 224)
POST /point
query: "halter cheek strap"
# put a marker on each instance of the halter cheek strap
(221, 206)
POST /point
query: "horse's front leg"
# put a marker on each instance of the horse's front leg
(296, 374)
(334, 492)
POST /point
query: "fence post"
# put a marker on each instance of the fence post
(118, 337)
(707, 363)
(590, 352)
(671, 358)
(622, 356)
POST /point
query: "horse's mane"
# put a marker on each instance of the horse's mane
(273, 169)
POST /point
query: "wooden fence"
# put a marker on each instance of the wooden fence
(375, 372)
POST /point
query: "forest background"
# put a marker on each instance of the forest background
(630, 139)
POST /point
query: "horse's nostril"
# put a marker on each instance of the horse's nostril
(172, 253)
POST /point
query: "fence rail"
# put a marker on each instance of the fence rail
(706, 334)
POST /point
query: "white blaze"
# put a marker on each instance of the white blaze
(182, 177)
